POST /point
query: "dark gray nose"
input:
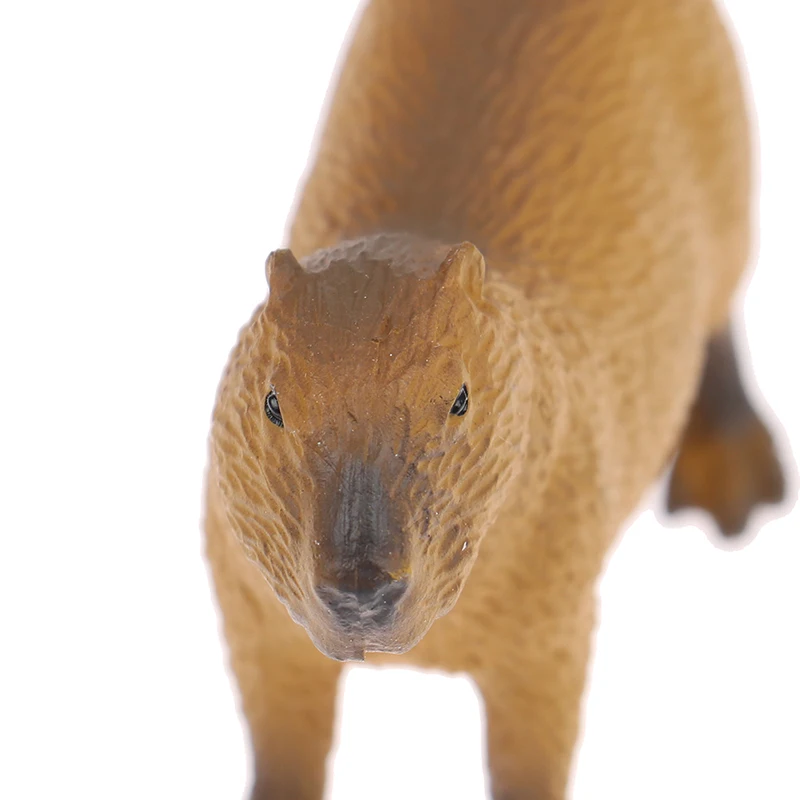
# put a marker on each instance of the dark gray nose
(362, 530)
(367, 599)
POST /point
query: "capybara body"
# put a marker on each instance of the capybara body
(504, 308)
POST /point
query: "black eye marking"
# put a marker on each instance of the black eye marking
(273, 409)
(461, 403)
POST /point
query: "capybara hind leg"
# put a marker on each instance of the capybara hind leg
(726, 462)
(533, 718)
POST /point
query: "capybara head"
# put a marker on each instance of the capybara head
(370, 419)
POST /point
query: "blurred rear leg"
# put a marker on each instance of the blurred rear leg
(726, 462)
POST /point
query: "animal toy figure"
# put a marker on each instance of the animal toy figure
(504, 309)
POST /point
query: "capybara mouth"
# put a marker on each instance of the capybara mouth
(346, 624)
(372, 608)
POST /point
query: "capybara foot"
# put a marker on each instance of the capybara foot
(727, 474)
(726, 461)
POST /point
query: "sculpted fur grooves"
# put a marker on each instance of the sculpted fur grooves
(503, 310)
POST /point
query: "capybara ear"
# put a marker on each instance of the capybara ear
(464, 266)
(283, 271)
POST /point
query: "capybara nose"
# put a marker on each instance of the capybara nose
(369, 602)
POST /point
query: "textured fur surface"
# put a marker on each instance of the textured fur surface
(549, 203)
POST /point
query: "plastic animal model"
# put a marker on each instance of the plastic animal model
(505, 308)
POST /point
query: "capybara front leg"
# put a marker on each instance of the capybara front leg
(287, 687)
(290, 711)
(726, 462)
(533, 702)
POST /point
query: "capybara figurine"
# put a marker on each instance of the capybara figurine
(503, 312)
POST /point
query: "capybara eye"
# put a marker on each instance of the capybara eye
(461, 402)
(273, 409)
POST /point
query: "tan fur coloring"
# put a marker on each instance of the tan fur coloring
(507, 289)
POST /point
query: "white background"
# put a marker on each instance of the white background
(149, 156)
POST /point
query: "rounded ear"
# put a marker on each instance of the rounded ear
(465, 266)
(283, 270)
